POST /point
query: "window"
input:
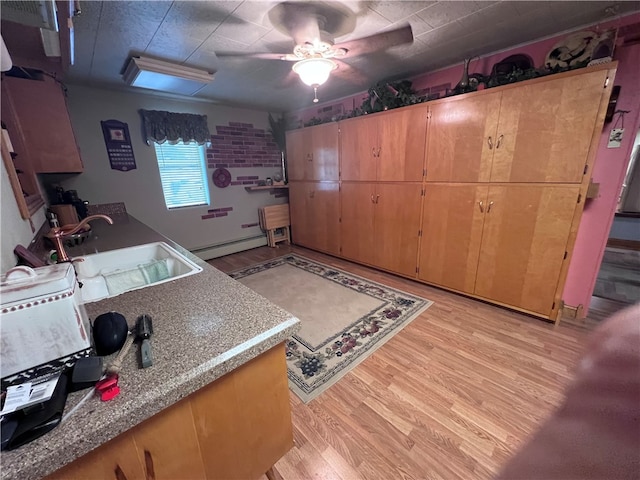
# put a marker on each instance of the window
(183, 174)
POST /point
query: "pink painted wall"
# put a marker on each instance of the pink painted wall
(609, 171)
(611, 164)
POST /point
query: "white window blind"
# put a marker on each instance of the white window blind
(183, 174)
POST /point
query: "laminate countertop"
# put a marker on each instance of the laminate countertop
(205, 325)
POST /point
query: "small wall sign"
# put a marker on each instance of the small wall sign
(118, 143)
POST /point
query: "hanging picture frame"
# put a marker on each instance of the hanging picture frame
(118, 143)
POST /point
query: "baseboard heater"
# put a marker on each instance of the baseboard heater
(227, 248)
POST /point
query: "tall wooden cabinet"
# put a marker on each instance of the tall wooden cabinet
(313, 171)
(479, 193)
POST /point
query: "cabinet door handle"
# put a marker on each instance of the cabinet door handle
(148, 463)
(372, 200)
(377, 198)
(379, 150)
(480, 206)
(310, 157)
(119, 473)
(499, 141)
(490, 142)
(373, 151)
(312, 193)
(489, 207)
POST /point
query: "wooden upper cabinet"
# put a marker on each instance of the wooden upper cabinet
(387, 146)
(43, 120)
(452, 221)
(325, 163)
(297, 156)
(312, 153)
(358, 148)
(524, 238)
(545, 129)
(401, 144)
(461, 136)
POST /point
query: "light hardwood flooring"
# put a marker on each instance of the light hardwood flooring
(452, 395)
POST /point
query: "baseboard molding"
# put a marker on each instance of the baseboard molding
(215, 251)
(622, 243)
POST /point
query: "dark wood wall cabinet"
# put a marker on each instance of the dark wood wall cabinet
(41, 120)
(480, 193)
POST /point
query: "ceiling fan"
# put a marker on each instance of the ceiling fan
(312, 26)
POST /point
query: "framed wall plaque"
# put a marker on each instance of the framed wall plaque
(118, 143)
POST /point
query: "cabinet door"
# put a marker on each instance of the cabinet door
(299, 209)
(315, 215)
(298, 154)
(401, 143)
(397, 221)
(43, 119)
(545, 129)
(115, 460)
(357, 227)
(358, 146)
(244, 419)
(165, 459)
(523, 244)
(461, 137)
(324, 218)
(324, 163)
(451, 234)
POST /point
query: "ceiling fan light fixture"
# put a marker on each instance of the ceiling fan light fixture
(314, 71)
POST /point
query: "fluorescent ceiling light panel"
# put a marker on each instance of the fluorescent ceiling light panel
(168, 77)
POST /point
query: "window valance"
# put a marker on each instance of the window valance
(160, 126)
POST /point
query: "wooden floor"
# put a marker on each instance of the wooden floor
(452, 395)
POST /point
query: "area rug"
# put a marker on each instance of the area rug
(344, 317)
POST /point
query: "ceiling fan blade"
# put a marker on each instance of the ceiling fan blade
(349, 73)
(264, 56)
(379, 41)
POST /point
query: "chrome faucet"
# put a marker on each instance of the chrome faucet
(56, 234)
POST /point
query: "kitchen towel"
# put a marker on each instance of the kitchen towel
(121, 281)
(155, 271)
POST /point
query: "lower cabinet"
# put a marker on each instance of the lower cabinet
(235, 428)
(504, 243)
(315, 215)
(380, 224)
(452, 222)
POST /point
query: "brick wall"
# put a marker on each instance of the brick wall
(242, 145)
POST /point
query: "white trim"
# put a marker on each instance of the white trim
(215, 251)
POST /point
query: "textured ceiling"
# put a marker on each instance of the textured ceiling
(192, 33)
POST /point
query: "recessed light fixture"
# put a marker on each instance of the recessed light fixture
(154, 74)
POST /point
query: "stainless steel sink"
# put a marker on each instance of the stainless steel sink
(105, 275)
